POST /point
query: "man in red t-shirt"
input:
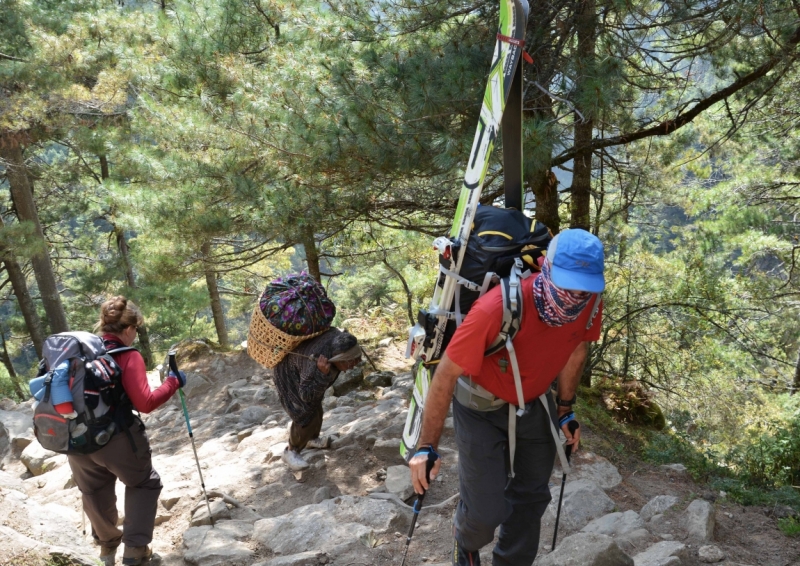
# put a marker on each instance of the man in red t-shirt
(551, 343)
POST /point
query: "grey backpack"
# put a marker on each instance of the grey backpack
(98, 397)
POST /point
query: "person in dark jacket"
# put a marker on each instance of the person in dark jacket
(301, 379)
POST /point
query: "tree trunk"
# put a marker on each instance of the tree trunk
(213, 293)
(545, 190)
(6, 359)
(406, 288)
(26, 306)
(796, 383)
(312, 256)
(124, 254)
(582, 170)
(22, 195)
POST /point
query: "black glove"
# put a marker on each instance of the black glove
(181, 377)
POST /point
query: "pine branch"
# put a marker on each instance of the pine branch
(669, 126)
(12, 58)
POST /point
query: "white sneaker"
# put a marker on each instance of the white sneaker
(294, 461)
(319, 442)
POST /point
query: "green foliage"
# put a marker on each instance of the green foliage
(790, 526)
(769, 455)
(6, 386)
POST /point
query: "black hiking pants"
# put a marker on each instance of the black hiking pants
(489, 497)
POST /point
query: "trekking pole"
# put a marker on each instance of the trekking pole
(432, 457)
(363, 351)
(572, 426)
(173, 366)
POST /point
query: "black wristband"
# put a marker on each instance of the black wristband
(566, 402)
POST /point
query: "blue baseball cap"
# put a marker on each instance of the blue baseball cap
(576, 261)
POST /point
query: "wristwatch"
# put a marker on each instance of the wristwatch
(566, 402)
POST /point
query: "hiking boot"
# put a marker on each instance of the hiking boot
(321, 442)
(136, 555)
(463, 557)
(108, 555)
(294, 461)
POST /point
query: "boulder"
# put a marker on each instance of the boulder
(379, 379)
(583, 501)
(16, 548)
(219, 511)
(634, 540)
(342, 441)
(5, 441)
(312, 558)
(253, 415)
(404, 379)
(19, 426)
(587, 549)
(265, 396)
(700, 518)
(588, 466)
(673, 469)
(398, 481)
(657, 506)
(328, 525)
(710, 554)
(217, 546)
(344, 402)
(363, 396)
(322, 494)
(35, 458)
(197, 385)
(666, 553)
(348, 381)
(615, 524)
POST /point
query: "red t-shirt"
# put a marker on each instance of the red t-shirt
(542, 351)
(134, 381)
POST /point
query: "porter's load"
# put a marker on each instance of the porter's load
(292, 309)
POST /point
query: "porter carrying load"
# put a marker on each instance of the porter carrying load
(292, 309)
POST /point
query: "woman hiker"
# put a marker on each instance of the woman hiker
(301, 381)
(127, 455)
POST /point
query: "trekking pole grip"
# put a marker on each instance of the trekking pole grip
(432, 457)
(572, 426)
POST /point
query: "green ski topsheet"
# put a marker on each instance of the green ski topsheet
(506, 57)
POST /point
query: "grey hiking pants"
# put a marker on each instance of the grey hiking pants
(489, 497)
(96, 476)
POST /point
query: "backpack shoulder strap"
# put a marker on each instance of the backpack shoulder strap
(120, 350)
(116, 347)
(511, 288)
(595, 307)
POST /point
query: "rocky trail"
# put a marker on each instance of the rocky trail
(348, 508)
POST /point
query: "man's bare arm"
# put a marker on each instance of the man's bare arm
(568, 380)
(436, 406)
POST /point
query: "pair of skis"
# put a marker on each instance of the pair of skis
(503, 91)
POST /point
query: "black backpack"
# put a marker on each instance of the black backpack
(503, 246)
(98, 397)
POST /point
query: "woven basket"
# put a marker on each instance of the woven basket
(268, 345)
